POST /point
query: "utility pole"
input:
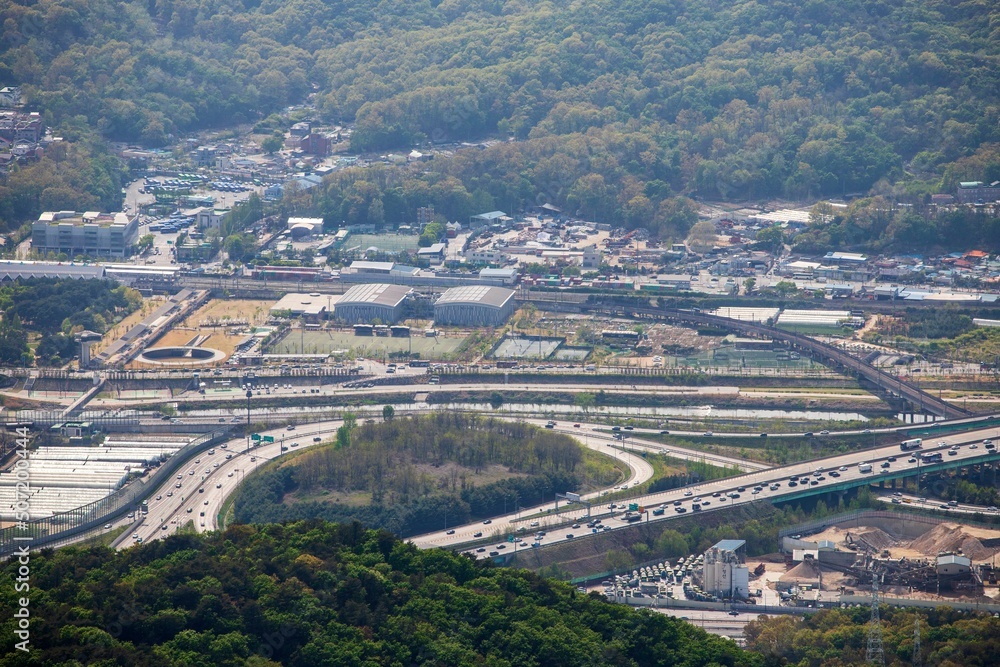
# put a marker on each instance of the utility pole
(875, 654)
(915, 661)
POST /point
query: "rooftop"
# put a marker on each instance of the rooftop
(492, 215)
(476, 294)
(87, 218)
(377, 293)
(306, 304)
(729, 545)
(362, 266)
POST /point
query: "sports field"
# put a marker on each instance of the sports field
(326, 342)
(384, 242)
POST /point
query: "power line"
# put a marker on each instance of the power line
(876, 654)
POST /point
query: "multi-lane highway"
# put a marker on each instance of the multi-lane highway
(199, 491)
(835, 473)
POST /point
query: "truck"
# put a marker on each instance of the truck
(910, 445)
(864, 467)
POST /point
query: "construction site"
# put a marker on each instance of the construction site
(909, 556)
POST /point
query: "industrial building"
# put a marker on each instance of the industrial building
(370, 302)
(810, 320)
(725, 573)
(89, 233)
(475, 305)
(66, 477)
(22, 270)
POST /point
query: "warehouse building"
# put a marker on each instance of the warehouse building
(374, 301)
(475, 305)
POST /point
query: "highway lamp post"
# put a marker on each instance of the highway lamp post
(249, 396)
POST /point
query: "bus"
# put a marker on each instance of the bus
(931, 457)
(506, 364)
(910, 445)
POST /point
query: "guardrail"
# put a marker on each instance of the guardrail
(40, 532)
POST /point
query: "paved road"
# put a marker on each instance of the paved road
(768, 485)
(204, 487)
(924, 502)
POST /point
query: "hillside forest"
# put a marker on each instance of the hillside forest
(617, 112)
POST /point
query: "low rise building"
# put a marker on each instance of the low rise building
(90, 233)
(369, 302)
(475, 305)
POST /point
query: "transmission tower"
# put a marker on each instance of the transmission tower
(875, 655)
(916, 662)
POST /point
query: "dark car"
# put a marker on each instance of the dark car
(477, 535)
(450, 532)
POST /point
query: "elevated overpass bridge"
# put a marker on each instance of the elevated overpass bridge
(880, 381)
(832, 475)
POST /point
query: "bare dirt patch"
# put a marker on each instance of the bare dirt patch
(225, 322)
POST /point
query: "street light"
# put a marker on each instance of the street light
(249, 396)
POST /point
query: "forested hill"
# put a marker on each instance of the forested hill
(315, 594)
(623, 103)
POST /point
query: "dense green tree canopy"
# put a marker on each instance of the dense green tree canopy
(614, 107)
(311, 594)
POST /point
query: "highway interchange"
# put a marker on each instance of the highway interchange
(208, 481)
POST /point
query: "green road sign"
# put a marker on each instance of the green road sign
(255, 436)
(510, 538)
(268, 438)
(633, 507)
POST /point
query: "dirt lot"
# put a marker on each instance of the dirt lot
(224, 321)
(229, 312)
(680, 340)
(943, 537)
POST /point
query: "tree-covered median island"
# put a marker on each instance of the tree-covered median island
(311, 593)
(421, 473)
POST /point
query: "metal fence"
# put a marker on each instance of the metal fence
(39, 532)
